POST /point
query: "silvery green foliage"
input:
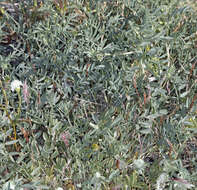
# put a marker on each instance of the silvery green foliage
(11, 185)
(108, 99)
(161, 181)
(139, 165)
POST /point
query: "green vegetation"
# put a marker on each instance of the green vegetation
(98, 94)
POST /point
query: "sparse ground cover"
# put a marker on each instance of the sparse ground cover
(98, 94)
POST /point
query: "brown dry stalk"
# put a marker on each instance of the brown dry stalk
(192, 103)
(180, 24)
(135, 86)
(191, 70)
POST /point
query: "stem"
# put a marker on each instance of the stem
(19, 102)
(6, 110)
(4, 94)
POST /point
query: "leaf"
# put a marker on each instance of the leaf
(184, 94)
(11, 142)
(117, 120)
(114, 174)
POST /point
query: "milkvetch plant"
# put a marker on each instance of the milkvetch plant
(105, 96)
